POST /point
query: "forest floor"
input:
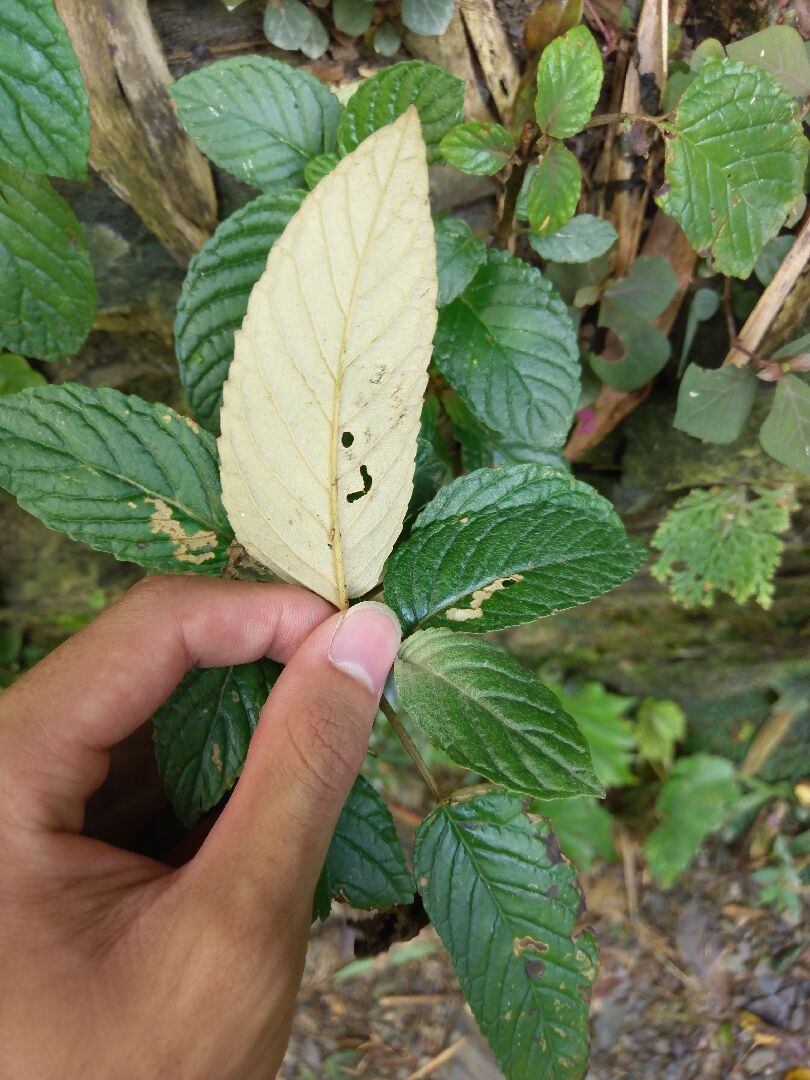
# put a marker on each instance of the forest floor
(695, 984)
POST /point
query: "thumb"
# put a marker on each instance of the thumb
(305, 755)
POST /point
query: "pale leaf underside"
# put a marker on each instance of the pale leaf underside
(322, 403)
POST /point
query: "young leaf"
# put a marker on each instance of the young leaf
(322, 403)
(387, 39)
(17, 374)
(202, 733)
(44, 118)
(502, 547)
(696, 799)
(735, 163)
(600, 716)
(660, 725)
(319, 167)
(723, 540)
(504, 902)
(287, 23)
(569, 80)
(704, 306)
(770, 258)
(554, 191)
(48, 300)
(508, 347)
(585, 237)
(479, 149)
(459, 254)
(430, 17)
(118, 473)
(352, 17)
(259, 119)
(215, 297)
(714, 404)
(489, 714)
(627, 306)
(786, 431)
(365, 866)
(780, 51)
(437, 96)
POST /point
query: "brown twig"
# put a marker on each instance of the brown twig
(530, 140)
(430, 1068)
(390, 714)
(771, 301)
(731, 325)
(770, 734)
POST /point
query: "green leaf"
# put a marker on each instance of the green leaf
(704, 306)
(508, 347)
(118, 473)
(786, 431)
(554, 191)
(202, 733)
(44, 117)
(735, 163)
(715, 404)
(387, 39)
(723, 540)
(215, 296)
(259, 119)
(429, 475)
(487, 713)
(365, 866)
(770, 258)
(585, 237)
(696, 799)
(477, 442)
(352, 17)
(459, 255)
(626, 307)
(319, 167)
(479, 149)
(287, 23)
(48, 298)
(583, 827)
(678, 80)
(504, 902)
(794, 348)
(502, 547)
(437, 95)
(660, 725)
(569, 80)
(17, 374)
(780, 51)
(317, 40)
(708, 49)
(600, 716)
(430, 17)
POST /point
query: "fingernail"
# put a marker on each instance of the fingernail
(365, 643)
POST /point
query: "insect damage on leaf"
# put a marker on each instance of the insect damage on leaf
(479, 597)
(187, 547)
(322, 404)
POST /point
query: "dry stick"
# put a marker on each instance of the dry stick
(395, 722)
(444, 1056)
(774, 729)
(772, 299)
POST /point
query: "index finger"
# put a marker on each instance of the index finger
(59, 721)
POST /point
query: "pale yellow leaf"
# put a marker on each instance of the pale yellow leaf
(322, 403)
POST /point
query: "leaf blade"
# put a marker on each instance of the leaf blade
(215, 295)
(557, 541)
(471, 862)
(714, 404)
(786, 431)
(583, 238)
(554, 191)
(367, 314)
(477, 149)
(117, 473)
(44, 115)
(569, 80)
(489, 714)
(259, 119)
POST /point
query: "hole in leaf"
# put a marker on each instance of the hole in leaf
(508, 582)
(347, 439)
(353, 496)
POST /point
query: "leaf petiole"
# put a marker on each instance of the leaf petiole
(413, 751)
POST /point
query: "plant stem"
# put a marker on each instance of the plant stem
(772, 299)
(619, 117)
(395, 722)
(528, 145)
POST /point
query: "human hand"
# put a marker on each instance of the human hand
(113, 965)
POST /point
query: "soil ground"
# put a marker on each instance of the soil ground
(696, 984)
